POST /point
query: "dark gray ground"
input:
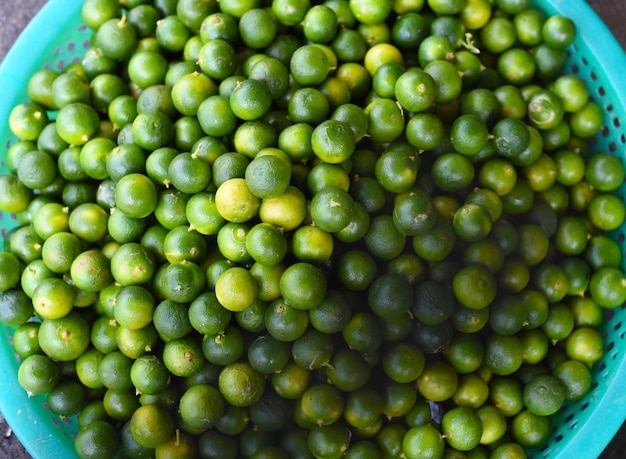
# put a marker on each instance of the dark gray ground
(15, 14)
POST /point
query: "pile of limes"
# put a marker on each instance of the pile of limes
(294, 229)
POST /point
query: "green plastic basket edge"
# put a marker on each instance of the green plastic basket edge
(41, 432)
(584, 435)
(587, 427)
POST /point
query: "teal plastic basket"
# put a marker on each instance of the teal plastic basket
(56, 37)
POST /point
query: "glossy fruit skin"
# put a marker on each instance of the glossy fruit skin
(391, 224)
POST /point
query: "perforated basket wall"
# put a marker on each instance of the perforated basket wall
(584, 428)
(56, 38)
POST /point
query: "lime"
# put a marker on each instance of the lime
(462, 428)
(149, 375)
(438, 381)
(329, 440)
(268, 176)
(322, 404)
(98, 440)
(303, 285)
(544, 395)
(333, 141)
(201, 406)
(151, 425)
(348, 370)
(415, 90)
(472, 392)
(331, 209)
(423, 442)
(575, 377)
(474, 286)
(53, 298)
(38, 374)
(585, 345)
(304, 73)
(240, 384)
(403, 362)
(64, 338)
(236, 289)
(235, 202)
(503, 354)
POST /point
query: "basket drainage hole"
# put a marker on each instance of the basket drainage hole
(584, 406)
(612, 147)
(601, 91)
(593, 76)
(616, 122)
(558, 438)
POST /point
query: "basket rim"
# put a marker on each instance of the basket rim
(609, 407)
(36, 436)
(40, 437)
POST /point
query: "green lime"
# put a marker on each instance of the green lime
(98, 440)
(240, 384)
(151, 425)
(423, 442)
(322, 404)
(38, 374)
(236, 289)
(462, 428)
(438, 381)
(303, 285)
(200, 407)
(544, 395)
(64, 338)
(403, 362)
